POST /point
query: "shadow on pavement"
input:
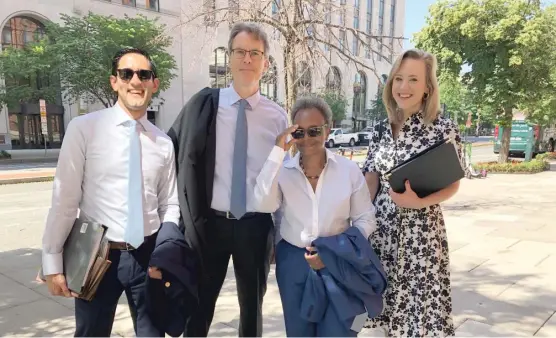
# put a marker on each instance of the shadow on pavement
(27, 308)
(489, 302)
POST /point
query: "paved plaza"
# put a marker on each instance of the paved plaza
(502, 237)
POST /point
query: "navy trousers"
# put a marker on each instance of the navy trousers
(291, 273)
(128, 273)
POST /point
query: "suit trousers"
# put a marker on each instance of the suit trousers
(291, 272)
(127, 272)
(249, 241)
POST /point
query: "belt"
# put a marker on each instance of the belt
(128, 247)
(121, 246)
(228, 215)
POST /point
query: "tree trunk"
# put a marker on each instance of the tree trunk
(289, 79)
(505, 144)
(290, 68)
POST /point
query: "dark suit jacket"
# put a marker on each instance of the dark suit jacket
(170, 301)
(194, 137)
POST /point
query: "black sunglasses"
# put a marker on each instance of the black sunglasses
(299, 133)
(126, 74)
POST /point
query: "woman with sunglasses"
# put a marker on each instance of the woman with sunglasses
(316, 194)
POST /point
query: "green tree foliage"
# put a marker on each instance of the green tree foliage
(29, 75)
(377, 112)
(338, 104)
(79, 52)
(506, 44)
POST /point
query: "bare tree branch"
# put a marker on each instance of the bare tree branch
(307, 36)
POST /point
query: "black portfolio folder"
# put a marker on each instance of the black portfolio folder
(85, 257)
(80, 251)
(429, 171)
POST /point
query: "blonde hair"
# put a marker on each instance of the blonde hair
(431, 102)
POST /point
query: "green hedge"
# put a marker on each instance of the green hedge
(5, 154)
(546, 156)
(514, 167)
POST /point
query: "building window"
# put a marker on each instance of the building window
(20, 31)
(343, 17)
(275, 7)
(153, 5)
(342, 39)
(392, 27)
(311, 35)
(26, 132)
(356, 14)
(369, 27)
(334, 80)
(269, 81)
(305, 79)
(359, 100)
(380, 26)
(233, 14)
(210, 10)
(219, 70)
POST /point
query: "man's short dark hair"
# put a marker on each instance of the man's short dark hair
(124, 51)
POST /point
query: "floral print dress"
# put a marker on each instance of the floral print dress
(411, 243)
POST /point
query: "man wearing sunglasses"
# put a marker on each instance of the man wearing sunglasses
(118, 169)
(222, 139)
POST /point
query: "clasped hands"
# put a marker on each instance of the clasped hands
(407, 199)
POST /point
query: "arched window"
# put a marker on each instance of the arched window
(359, 99)
(219, 69)
(334, 80)
(305, 78)
(21, 30)
(269, 81)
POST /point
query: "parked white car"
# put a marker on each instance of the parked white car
(338, 137)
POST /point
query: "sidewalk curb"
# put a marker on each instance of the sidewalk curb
(27, 180)
(477, 145)
(29, 160)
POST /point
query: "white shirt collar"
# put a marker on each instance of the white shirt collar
(232, 97)
(294, 161)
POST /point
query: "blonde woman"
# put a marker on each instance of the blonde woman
(411, 238)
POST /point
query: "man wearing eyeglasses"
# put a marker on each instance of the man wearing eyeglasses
(222, 139)
(118, 169)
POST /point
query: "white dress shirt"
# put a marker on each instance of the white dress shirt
(265, 121)
(341, 199)
(92, 176)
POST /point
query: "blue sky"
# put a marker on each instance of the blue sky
(415, 13)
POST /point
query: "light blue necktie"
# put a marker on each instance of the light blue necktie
(239, 169)
(134, 231)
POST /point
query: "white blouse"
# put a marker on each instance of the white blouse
(341, 199)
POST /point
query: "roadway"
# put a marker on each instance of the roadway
(479, 154)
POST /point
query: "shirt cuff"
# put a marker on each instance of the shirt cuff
(52, 263)
(277, 154)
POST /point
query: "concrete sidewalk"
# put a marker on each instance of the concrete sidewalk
(27, 175)
(502, 240)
